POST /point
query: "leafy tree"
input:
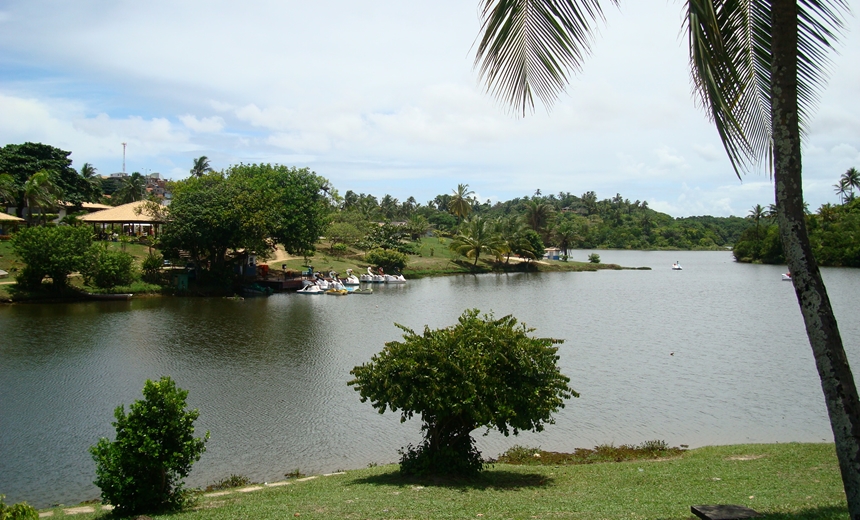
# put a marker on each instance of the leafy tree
(538, 215)
(21, 161)
(201, 166)
(756, 214)
(142, 471)
(8, 191)
(475, 237)
(757, 66)
(851, 177)
(55, 251)
(93, 181)
(343, 233)
(459, 204)
(482, 372)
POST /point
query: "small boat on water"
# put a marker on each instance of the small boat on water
(120, 296)
(390, 278)
(677, 266)
(361, 291)
(350, 279)
(337, 292)
(372, 278)
(786, 277)
(310, 289)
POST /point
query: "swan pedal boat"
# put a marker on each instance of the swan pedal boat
(677, 267)
(786, 277)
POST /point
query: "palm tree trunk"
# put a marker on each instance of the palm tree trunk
(837, 381)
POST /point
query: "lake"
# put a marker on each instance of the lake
(713, 354)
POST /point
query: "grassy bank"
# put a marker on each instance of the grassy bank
(782, 481)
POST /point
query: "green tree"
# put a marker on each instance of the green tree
(106, 268)
(142, 471)
(459, 204)
(388, 259)
(756, 214)
(19, 511)
(40, 194)
(757, 66)
(851, 177)
(842, 188)
(132, 189)
(8, 190)
(201, 166)
(55, 252)
(481, 372)
(93, 181)
(22, 161)
(538, 215)
(477, 236)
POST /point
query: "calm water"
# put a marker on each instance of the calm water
(714, 354)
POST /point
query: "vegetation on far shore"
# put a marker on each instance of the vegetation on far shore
(781, 481)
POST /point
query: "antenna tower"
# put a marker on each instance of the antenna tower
(123, 158)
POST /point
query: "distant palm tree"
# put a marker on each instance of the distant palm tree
(132, 189)
(756, 214)
(201, 166)
(477, 236)
(40, 193)
(8, 190)
(538, 216)
(93, 179)
(852, 178)
(459, 204)
(842, 188)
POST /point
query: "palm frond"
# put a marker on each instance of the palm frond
(529, 47)
(730, 59)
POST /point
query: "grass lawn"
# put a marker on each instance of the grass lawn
(782, 481)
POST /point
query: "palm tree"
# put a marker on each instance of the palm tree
(8, 190)
(477, 236)
(852, 179)
(132, 189)
(40, 193)
(459, 204)
(842, 188)
(93, 179)
(201, 166)
(538, 216)
(757, 66)
(756, 214)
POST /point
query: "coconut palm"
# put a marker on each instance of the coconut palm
(756, 214)
(92, 178)
(852, 179)
(8, 190)
(842, 188)
(757, 66)
(475, 237)
(40, 193)
(459, 204)
(201, 166)
(132, 189)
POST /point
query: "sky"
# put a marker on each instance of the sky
(381, 97)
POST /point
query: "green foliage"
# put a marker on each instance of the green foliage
(481, 372)
(594, 258)
(233, 481)
(142, 470)
(389, 260)
(108, 268)
(55, 252)
(19, 511)
(152, 265)
(22, 161)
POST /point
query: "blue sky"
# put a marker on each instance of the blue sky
(381, 98)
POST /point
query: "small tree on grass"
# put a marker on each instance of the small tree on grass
(481, 372)
(55, 252)
(142, 470)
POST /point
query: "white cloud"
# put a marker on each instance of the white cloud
(708, 152)
(205, 125)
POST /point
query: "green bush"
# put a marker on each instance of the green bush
(594, 258)
(107, 268)
(388, 259)
(142, 470)
(152, 265)
(20, 511)
(55, 252)
(480, 373)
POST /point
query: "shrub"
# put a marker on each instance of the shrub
(594, 258)
(481, 372)
(387, 259)
(51, 251)
(20, 511)
(152, 265)
(106, 268)
(142, 470)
